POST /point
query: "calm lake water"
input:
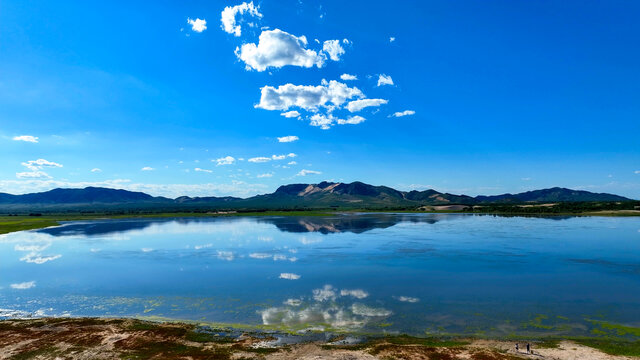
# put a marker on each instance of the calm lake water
(414, 273)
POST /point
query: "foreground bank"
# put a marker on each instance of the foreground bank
(93, 338)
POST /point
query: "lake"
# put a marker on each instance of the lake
(368, 273)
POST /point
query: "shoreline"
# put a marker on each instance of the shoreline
(115, 338)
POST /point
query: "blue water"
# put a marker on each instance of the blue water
(414, 273)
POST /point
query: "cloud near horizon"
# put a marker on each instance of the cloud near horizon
(36, 169)
(305, 172)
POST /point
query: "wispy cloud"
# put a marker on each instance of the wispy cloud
(402, 113)
(35, 167)
(305, 172)
(26, 138)
(228, 17)
(357, 105)
(96, 170)
(203, 170)
(286, 139)
(147, 168)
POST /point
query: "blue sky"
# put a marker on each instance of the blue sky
(497, 96)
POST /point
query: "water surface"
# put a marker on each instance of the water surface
(414, 273)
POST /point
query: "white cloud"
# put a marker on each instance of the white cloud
(637, 172)
(96, 170)
(277, 48)
(333, 49)
(408, 299)
(229, 14)
(353, 120)
(36, 169)
(146, 250)
(267, 175)
(227, 160)
(307, 97)
(292, 163)
(392, 39)
(384, 80)
(323, 121)
(289, 276)
(259, 159)
(290, 138)
(198, 25)
(364, 310)
(33, 175)
(291, 155)
(348, 77)
(27, 138)
(278, 157)
(403, 113)
(357, 105)
(326, 121)
(357, 293)
(305, 172)
(147, 168)
(39, 164)
(260, 256)
(328, 292)
(24, 285)
(290, 114)
(202, 170)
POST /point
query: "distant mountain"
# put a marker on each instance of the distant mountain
(555, 194)
(77, 196)
(293, 196)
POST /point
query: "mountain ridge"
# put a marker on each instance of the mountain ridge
(321, 195)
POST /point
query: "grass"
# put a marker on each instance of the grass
(612, 347)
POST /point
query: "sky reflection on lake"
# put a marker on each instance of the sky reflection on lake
(412, 273)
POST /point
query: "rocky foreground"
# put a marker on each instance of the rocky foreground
(88, 338)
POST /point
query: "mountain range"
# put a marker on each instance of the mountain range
(355, 195)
